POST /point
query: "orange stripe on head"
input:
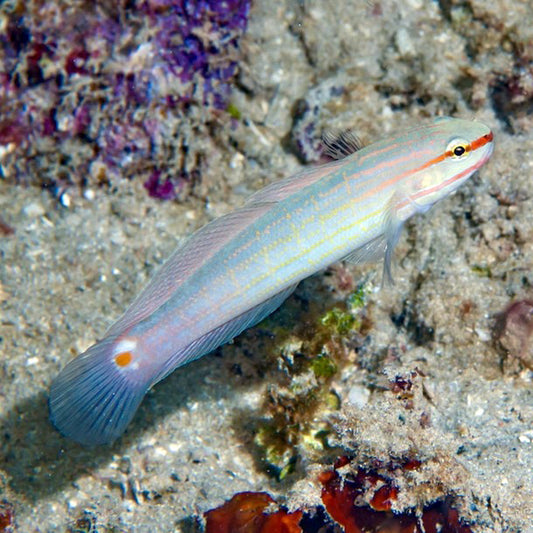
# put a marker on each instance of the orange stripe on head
(478, 143)
(474, 145)
(482, 141)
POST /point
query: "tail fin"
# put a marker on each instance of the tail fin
(93, 400)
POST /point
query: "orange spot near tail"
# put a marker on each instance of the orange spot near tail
(123, 358)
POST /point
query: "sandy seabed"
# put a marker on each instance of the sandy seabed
(69, 271)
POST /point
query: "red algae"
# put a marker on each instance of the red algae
(383, 498)
(363, 501)
(358, 501)
(245, 513)
(339, 495)
(5, 228)
(7, 517)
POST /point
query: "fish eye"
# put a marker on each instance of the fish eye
(458, 149)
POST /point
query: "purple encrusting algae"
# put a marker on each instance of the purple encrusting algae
(95, 92)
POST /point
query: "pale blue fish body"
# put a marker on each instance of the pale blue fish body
(239, 268)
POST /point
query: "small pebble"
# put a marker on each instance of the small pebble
(404, 43)
(72, 504)
(89, 194)
(65, 200)
(483, 334)
(33, 210)
(174, 448)
(358, 396)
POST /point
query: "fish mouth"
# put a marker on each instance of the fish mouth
(489, 148)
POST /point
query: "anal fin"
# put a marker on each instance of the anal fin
(225, 332)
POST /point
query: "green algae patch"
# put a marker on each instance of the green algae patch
(323, 367)
(341, 321)
(233, 111)
(295, 418)
(292, 422)
(278, 458)
(358, 299)
(482, 271)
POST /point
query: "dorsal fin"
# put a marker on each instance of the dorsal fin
(186, 260)
(341, 144)
(282, 189)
